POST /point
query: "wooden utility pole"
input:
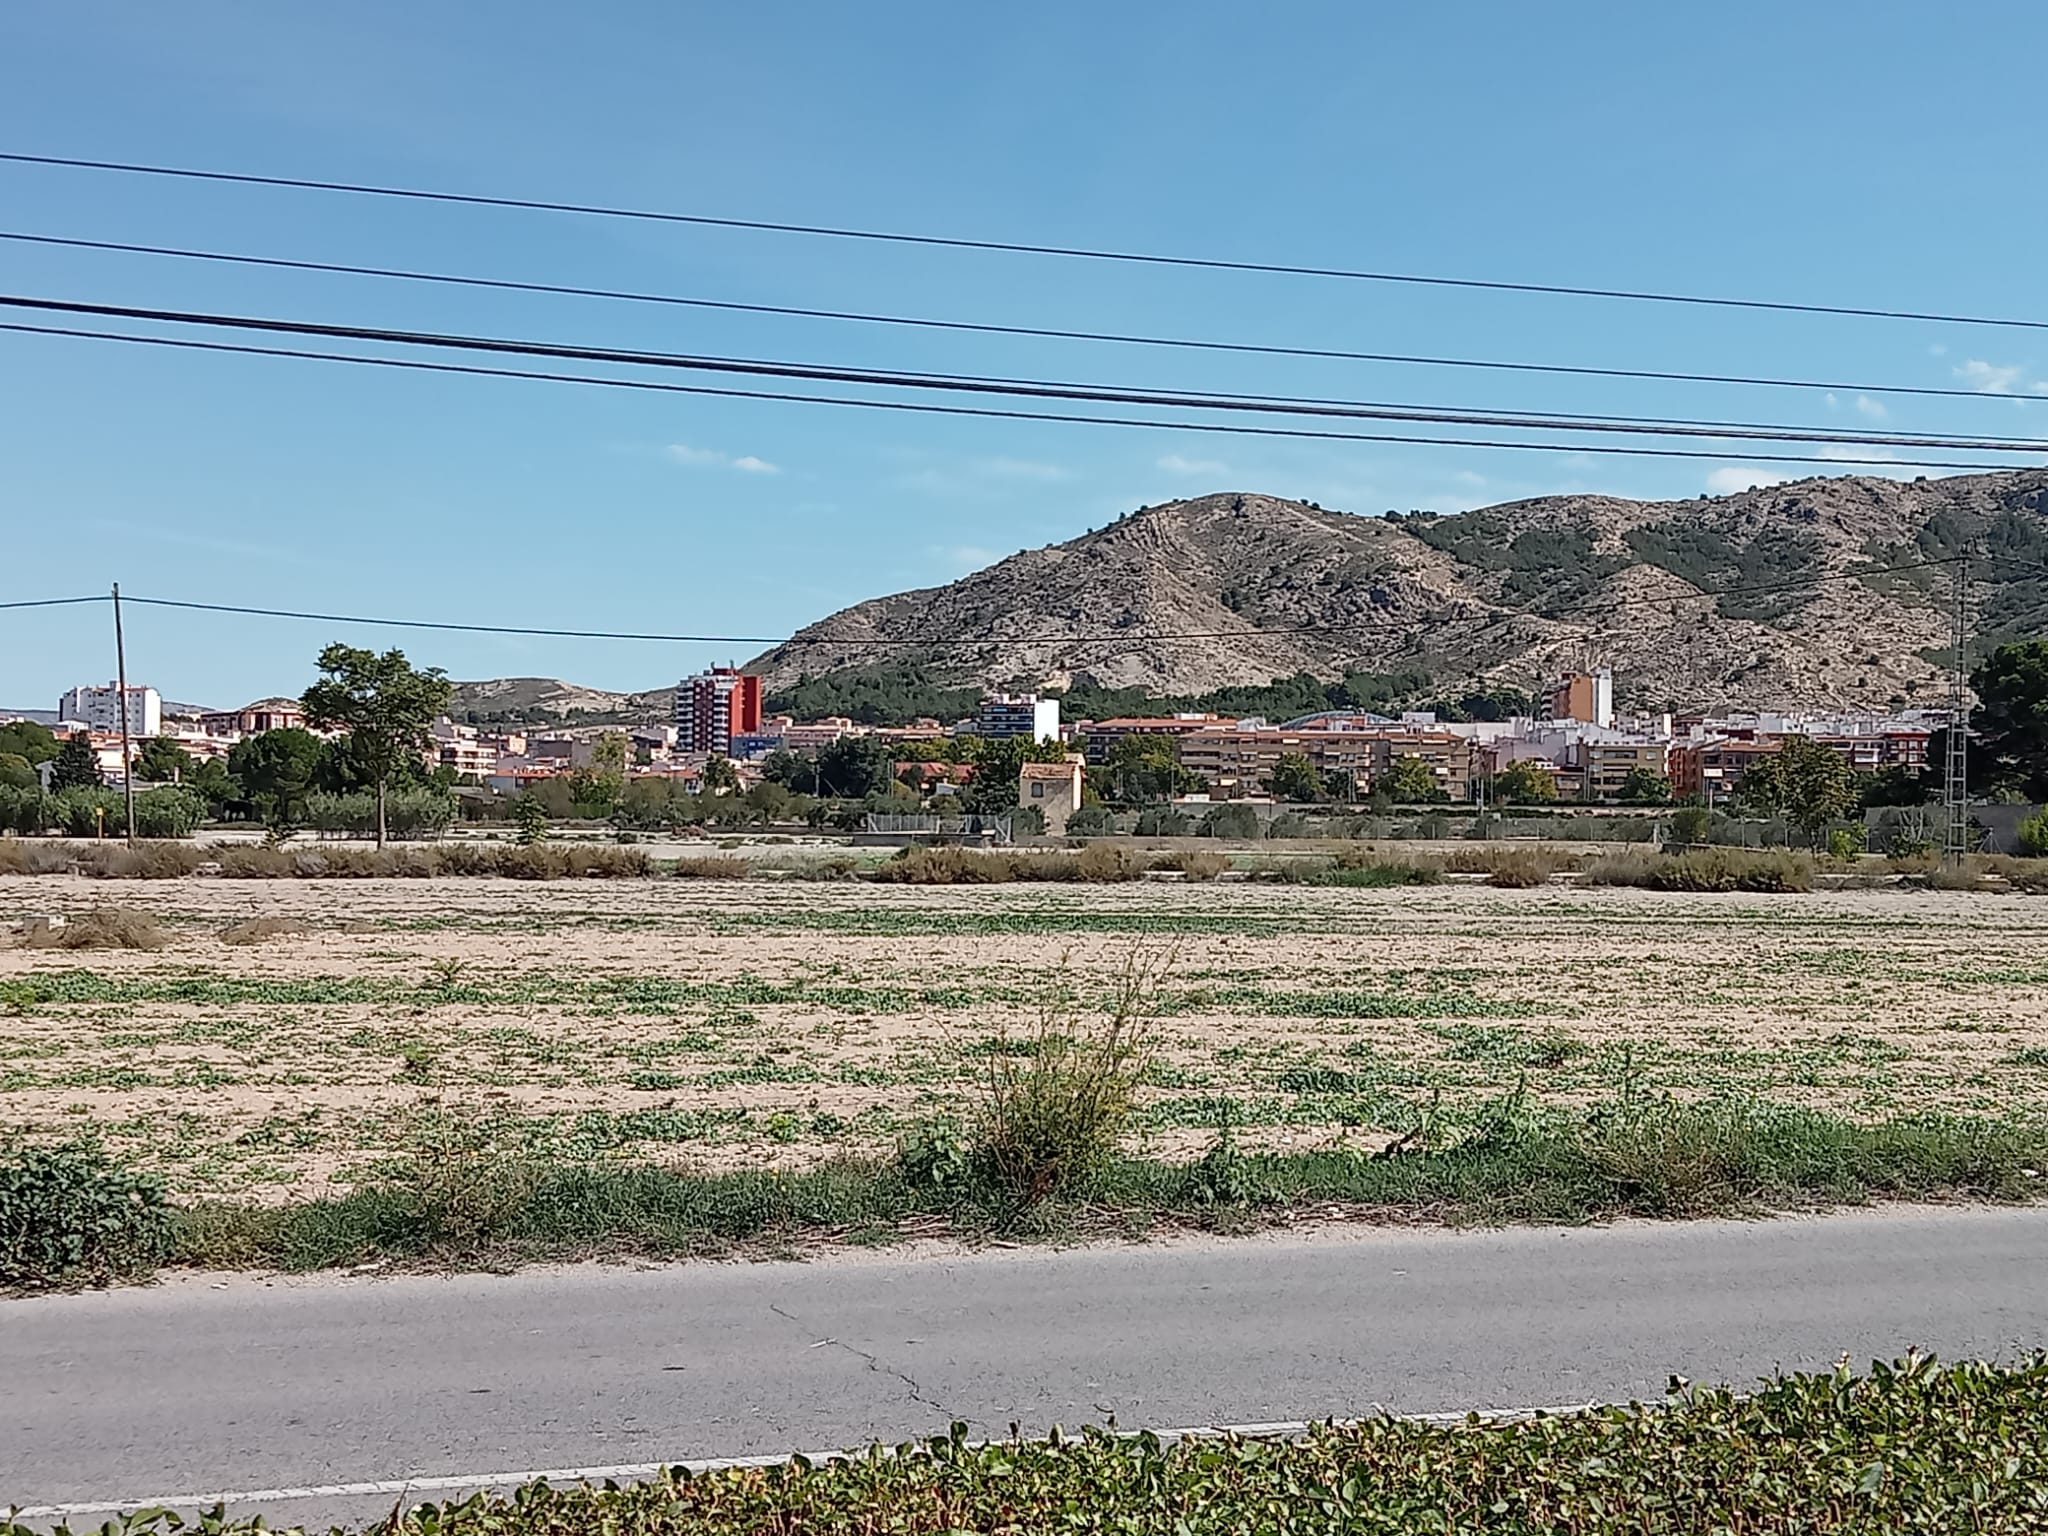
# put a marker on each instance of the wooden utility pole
(121, 702)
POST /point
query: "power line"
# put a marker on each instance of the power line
(1234, 429)
(1048, 333)
(954, 242)
(1042, 389)
(1119, 636)
(58, 602)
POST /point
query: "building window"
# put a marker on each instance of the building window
(1038, 791)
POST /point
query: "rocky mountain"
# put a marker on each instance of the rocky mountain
(538, 700)
(1186, 597)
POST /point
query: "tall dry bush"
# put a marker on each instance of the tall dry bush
(1705, 869)
(1194, 863)
(1056, 1104)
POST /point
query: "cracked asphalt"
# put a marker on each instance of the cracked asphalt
(206, 1384)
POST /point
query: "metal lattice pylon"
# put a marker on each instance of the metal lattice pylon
(1955, 777)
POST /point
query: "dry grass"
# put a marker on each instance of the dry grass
(260, 930)
(1705, 869)
(22, 856)
(102, 928)
(1512, 866)
(1194, 863)
(710, 866)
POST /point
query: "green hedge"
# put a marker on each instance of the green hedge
(1914, 1446)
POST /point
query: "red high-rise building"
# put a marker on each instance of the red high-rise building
(715, 706)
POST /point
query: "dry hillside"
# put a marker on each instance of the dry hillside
(1173, 597)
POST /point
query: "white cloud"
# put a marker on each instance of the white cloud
(1729, 480)
(1990, 378)
(1175, 464)
(1831, 400)
(1937, 350)
(1874, 409)
(1019, 469)
(746, 463)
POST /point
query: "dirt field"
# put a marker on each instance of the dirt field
(769, 1023)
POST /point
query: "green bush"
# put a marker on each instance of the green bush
(1846, 844)
(409, 814)
(1233, 820)
(1691, 825)
(83, 812)
(69, 1216)
(1053, 1114)
(1089, 821)
(26, 812)
(2032, 834)
(168, 813)
(1163, 821)
(1914, 1446)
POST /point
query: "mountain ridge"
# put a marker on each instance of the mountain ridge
(1502, 595)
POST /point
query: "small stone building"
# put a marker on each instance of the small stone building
(1055, 789)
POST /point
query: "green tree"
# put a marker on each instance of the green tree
(529, 821)
(1233, 819)
(1141, 769)
(276, 771)
(1805, 782)
(854, 767)
(2032, 835)
(2010, 723)
(998, 764)
(720, 775)
(386, 705)
(163, 761)
(16, 772)
(1691, 825)
(1896, 785)
(29, 740)
(1523, 782)
(1645, 786)
(77, 766)
(1295, 778)
(1089, 821)
(1410, 781)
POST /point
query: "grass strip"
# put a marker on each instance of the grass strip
(469, 1200)
(1912, 1446)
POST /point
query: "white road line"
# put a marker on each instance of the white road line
(401, 1486)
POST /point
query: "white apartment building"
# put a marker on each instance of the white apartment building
(1019, 714)
(99, 709)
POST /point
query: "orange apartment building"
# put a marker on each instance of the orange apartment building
(1238, 762)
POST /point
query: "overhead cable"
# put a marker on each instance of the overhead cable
(1016, 247)
(1028, 388)
(1050, 333)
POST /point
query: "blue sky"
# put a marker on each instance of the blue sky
(1884, 154)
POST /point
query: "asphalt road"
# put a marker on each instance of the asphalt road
(197, 1387)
